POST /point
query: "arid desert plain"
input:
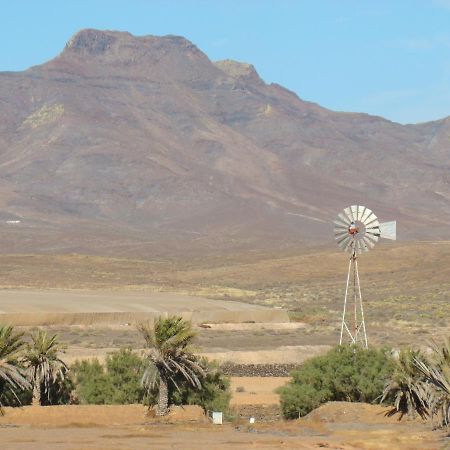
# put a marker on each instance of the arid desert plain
(254, 311)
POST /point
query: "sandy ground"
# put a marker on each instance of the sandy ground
(17, 301)
(334, 426)
(256, 390)
(280, 355)
(49, 307)
(289, 354)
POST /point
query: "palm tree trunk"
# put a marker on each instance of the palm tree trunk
(163, 399)
(36, 394)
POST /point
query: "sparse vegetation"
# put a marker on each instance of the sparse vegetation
(345, 373)
(27, 371)
(119, 381)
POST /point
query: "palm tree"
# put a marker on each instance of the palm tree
(406, 389)
(43, 365)
(437, 377)
(169, 354)
(11, 375)
(421, 385)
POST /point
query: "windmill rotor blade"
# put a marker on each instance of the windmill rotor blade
(388, 230)
(364, 246)
(371, 239)
(372, 219)
(339, 234)
(354, 209)
(340, 231)
(350, 245)
(373, 235)
(339, 224)
(374, 226)
(358, 246)
(348, 213)
(341, 239)
(361, 210)
(344, 243)
(368, 242)
(344, 218)
(366, 214)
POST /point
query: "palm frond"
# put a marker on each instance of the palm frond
(406, 391)
(11, 374)
(42, 362)
(438, 380)
(169, 342)
(150, 378)
(10, 342)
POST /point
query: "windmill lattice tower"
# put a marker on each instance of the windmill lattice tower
(356, 230)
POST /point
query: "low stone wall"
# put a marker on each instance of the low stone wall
(258, 370)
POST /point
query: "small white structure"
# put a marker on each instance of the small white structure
(217, 417)
(252, 420)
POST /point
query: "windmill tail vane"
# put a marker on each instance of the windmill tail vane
(357, 230)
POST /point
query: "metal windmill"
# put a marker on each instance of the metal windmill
(356, 230)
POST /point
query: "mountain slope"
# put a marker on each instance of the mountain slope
(122, 140)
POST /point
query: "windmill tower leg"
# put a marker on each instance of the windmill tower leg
(355, 326)
(344, 324)
(362, 325)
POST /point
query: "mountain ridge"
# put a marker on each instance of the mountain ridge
(147, 135)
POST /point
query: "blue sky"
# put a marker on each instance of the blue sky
(385, 57)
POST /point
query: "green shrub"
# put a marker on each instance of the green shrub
(118, 381)
(93, 384)
(215, 394)
(125, 370)
(345, 373)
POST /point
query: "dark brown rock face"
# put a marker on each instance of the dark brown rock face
(125, 144)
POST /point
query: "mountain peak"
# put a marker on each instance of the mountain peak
(238, 70)
(105, 52)
(92, 41)
(98, 42)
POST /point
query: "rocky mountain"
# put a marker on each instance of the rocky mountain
(142, 145)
